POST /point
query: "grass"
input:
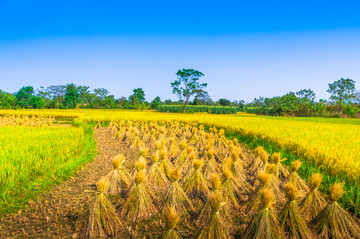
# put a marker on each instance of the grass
(34, 159)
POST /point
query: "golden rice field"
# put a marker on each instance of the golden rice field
(333, 143)
(186, 178)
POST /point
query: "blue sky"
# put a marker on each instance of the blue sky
(245, 49)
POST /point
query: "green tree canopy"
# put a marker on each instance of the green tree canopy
(187, 85)
(224, 102)
(72, 96)
(24, 95)
(156, 102)
(140, 94)
(342, 90)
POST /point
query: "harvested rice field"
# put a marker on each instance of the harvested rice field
(162, 179)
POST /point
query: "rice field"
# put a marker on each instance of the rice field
(194, 172)
(34, 155)
(189, 183)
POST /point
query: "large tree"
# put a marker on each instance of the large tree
(342, 90)
(72, 97)
(7, 100)
(24, 95)
(187, 85)
(140, 94)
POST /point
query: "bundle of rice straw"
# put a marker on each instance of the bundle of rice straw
(196, 185)
(100, 219)
(171, 219)
(175, 196)
(118, 179)
(138, 205)
(264, 224)
(291, 219)
(215, 227)
(314, 202)
(334, 221)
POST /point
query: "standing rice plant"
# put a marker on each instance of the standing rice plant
(100, 219)
(296, 179)
(217, 226)
(314, 202)
(291, 219)
(176, 197)
(334, 221)
(171, 220)
(138, 205)
(119, 179)
(264, 225)
(197, 185)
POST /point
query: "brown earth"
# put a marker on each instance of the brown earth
(53, 214)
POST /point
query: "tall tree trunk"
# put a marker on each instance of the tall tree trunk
(185, 107)
(340, 106)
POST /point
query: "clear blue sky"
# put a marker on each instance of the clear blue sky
(245, 49)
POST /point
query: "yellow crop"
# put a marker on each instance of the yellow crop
(33, 157)
(334, 143)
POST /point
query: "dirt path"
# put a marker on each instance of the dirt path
(53, 214)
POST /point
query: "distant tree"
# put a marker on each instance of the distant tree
(307, 95)
(203, 98)
(122, 102)
(134, 102)
(43, 92)
(83, 91)
(306, 101)
(341, 91)
(259, 102)
(357, 98)
(109, 102)
(72, 97)
(140, 94)
(24, 95)
(101, 93)
(7, 100)
(187, 85)
(156, 102)
(57, 94)
(37, 102)
(224, 102)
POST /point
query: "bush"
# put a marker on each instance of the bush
(350, 111)
(196, 108)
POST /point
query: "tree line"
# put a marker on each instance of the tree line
(344, 98)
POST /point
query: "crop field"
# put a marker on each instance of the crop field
(33, 155)
(188, 175)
